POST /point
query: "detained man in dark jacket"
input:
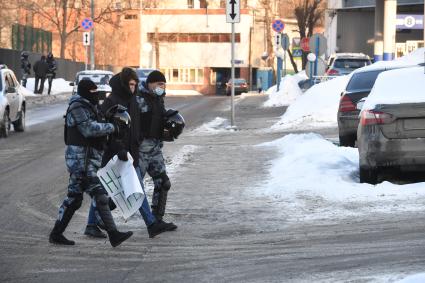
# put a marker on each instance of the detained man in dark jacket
(124, 88)
(40, 71)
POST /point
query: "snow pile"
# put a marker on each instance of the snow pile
(414, 58)
(25, 91)
(311, 171)
(398, 86)
(316, 108)
(417, 278)
(58, 86)
(288, 91)
(216, 126)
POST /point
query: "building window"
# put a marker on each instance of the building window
(184, 75)
(190, 4)
(194, 37)
(130, 17)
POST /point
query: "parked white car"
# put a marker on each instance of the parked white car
(12, 103)
(99, 77)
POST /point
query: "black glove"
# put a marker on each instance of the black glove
(122, 155)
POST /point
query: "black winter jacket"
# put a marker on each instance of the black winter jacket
(40, 68)
(121, 95)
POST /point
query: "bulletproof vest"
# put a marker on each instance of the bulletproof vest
(72, 135)
(152, 122)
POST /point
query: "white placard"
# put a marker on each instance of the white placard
(233, 11)
(86, 38)
(119, 178)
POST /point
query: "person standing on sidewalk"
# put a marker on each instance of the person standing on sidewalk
(85, 135)
(153, 116)
(124, 90)
(25, 67)
(40, 71)
(51, 72)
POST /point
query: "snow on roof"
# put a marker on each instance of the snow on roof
(94, 72)
(350, 55)
(404, 85)
(412, 59)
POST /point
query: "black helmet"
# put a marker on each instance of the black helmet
(174, 122)
(25, 54)
(118, 115)
(50, 55)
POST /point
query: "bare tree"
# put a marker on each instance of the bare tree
(8, 16)
(62, 15)
(267, 6)
(309, 14)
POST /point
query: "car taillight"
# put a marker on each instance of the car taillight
(332, 72)
(346, 105)
(370, 117)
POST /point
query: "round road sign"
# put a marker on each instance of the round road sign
(305, 44)
(87, 24)
(278, 25)
(318, 44)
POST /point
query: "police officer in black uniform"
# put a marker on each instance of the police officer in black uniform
(85, 135)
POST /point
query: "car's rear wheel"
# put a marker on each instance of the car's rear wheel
(19, 125)
(5, 125)
(347, 141)
(369, 175)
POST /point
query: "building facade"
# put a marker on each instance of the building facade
(350, 26)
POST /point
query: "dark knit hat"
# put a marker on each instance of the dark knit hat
(127, 74)
(155, 76)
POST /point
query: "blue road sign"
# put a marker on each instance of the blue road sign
(87, 24)
(278, 25)
(297, 52)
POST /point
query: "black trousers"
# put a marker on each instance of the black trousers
(37, 80)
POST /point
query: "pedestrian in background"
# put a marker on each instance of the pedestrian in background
(40, 71)
(51, 72)
(25, 67)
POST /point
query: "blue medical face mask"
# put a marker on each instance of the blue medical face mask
(159, 91)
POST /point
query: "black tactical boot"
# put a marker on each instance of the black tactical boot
(159, 227)
(171, 225)
(93, 231)
(56, 236)
(116, 237)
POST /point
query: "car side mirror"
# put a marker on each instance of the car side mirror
(11, 89)
(360, 104)
(71, 84)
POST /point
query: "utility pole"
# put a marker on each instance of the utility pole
(92, 37)
(232, 17)
(156, 42)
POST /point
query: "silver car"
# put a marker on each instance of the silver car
(99, 77)
(341, 64)
(12, 103)
(358, 87)
(391, 133)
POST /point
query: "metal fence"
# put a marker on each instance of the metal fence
(31, 39)
(65, 68)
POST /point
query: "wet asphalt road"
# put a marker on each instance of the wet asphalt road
(225, 234)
